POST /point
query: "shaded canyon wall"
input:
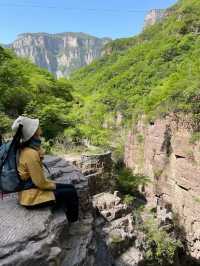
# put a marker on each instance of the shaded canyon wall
(163, 151)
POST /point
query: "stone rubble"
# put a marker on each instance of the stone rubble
(115, 226)
(110, 206)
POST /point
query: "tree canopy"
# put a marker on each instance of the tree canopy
(154, 73)
(26, 89)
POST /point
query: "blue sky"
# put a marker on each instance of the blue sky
(108, 18)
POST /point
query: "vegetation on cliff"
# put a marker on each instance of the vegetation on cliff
(154, 73)
(27, 89)
(161, 246)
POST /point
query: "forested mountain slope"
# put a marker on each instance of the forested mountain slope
(27, 89)
(154, 73)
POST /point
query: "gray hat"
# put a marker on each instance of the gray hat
(30, 126)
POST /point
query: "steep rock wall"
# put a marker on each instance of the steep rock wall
(156, 15)
(59, 53)
(162, 150)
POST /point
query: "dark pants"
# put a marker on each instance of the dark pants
(66, 198)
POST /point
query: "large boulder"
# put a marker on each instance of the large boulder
(43, 236)
(30, 236)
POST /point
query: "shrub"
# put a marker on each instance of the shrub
(47, 146)
(128, 182)
(128, 199)
(161, 247)
(5, 123)
(28, 90)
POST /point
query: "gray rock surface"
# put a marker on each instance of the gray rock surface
(110, 206)
(29, 237)
(131, 257)
(43, 236)
(117, 229)
(80, 247)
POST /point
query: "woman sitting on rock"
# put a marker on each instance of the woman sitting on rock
(44, 192)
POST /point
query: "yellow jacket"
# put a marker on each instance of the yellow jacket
(30, 166)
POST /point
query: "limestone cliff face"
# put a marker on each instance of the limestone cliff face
(163, 151)
(59, 53)
(153, 16)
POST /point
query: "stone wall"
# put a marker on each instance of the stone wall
(162, 150)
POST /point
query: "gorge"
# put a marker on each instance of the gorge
(141, 102)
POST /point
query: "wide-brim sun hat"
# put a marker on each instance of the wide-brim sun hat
(30, 126)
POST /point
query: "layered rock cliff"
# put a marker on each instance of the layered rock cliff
(156, 15)
(153, 16)
(59, 53)
(166, 151)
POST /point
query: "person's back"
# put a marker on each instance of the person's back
(30, 166)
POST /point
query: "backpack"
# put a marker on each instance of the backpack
(10, 180)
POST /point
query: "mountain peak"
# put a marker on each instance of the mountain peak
(153, 16)
(60, 53)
